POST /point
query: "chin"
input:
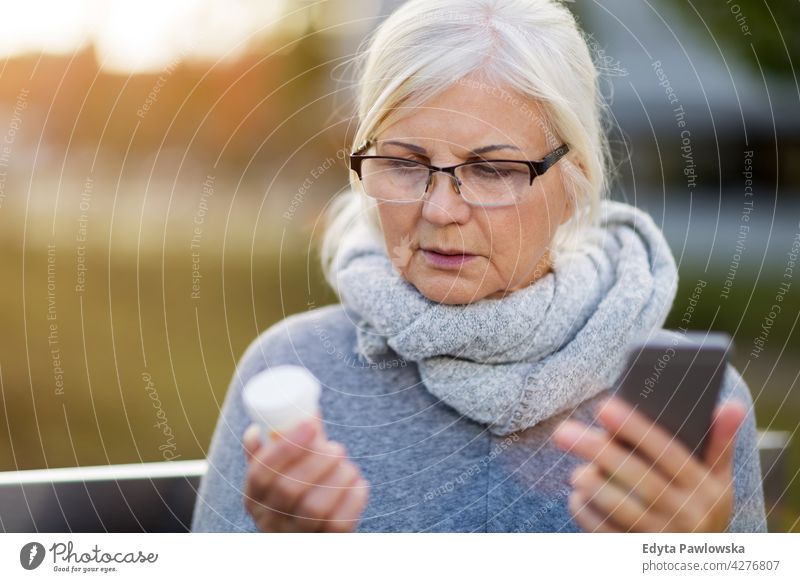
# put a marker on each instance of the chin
(450, 292)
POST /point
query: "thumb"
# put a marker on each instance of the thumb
(728, 418)
(251, 440)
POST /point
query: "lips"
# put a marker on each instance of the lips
(447, 258)
(445, 251)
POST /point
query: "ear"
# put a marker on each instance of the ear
(569, 206)
(570, 201)
(571, 198)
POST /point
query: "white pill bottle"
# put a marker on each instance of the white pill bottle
(281, 397)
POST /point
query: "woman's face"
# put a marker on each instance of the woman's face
(506, 247)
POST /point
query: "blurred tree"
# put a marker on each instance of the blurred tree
(764, 33)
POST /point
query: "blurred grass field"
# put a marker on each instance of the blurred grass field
(134, 348)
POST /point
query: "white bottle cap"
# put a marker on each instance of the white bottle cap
(281, 397)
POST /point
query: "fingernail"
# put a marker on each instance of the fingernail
(614, 409)
(568, 430)
(251, 433)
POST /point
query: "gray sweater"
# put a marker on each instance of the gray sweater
(430, 468)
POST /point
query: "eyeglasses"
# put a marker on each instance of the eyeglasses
(479, 183)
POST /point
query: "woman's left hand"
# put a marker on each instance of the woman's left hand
(659, 486)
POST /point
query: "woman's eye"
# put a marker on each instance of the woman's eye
(489, 170)
(403, 165)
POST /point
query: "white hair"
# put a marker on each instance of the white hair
(534, 47)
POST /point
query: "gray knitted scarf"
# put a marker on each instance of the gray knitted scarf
(512, 362)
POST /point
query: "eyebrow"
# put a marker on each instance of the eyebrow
(476, 152)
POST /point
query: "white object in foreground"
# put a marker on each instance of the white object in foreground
(281, 397)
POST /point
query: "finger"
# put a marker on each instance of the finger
(251, 440)
(722, 440)
(630, 470)
(320, 501)
(669, 454)
(273, 504)
(262, 514)
(621, 506)
(597, 446)
(347, 514)
(267, 520)
(264, 517)
(321, 432)
(295, 481)
(586, 517)
(276, 456)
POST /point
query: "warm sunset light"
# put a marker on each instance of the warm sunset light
(138, 36)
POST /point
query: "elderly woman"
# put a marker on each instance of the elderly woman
(489, 289)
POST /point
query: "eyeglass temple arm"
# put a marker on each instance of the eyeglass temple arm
(539, 168)
(551, 158)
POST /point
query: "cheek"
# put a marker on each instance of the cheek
(397, 221)
(543, 213)
(399, 234)
(519, 236)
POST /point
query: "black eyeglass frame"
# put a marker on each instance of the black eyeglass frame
(535, 167)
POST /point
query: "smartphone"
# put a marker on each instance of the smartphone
(674, 378)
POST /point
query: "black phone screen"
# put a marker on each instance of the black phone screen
(675, 378)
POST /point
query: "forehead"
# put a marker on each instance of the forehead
(474, 112)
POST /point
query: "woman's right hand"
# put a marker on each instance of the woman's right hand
(302, 482)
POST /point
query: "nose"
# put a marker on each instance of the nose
(442, 202)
